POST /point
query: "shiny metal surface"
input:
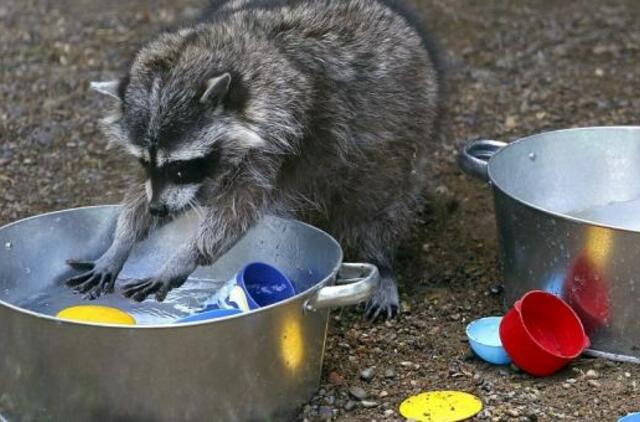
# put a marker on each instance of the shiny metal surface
(359, 281)
(568, 215)
(257, 366)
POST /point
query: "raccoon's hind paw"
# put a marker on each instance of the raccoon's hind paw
(385, 303)
(95, 281)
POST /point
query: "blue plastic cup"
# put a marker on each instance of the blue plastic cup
(484, 339)
(257, 285)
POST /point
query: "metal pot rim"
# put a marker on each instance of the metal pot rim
(538, 208)
(297, 297)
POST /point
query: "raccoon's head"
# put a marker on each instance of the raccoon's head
(184, 126)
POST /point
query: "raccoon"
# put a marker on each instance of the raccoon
(319, 110)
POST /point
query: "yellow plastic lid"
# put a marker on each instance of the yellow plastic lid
(98, 314)
(441, 406)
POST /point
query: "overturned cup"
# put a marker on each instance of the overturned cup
(257, 285)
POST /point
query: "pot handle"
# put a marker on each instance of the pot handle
(356, 283)
(475, 156)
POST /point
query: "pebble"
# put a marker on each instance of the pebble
(350, 405)
(514, 413)
(383, 393)
(367, 374)
(594, 383)
(369, 403)
(389, 373)
(496, 289)
(406, 364)
(335, 378)
(325, 413)
(388, 413)
(591, 374)
(358, 393)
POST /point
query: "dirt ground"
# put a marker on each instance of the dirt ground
(517, 67)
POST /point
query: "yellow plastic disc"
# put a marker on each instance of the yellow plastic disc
(441, 406)
(97, 314)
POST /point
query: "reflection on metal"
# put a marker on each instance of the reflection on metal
(292, 343)
(599, 246)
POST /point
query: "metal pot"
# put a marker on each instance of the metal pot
(567, 207)
(257, 366)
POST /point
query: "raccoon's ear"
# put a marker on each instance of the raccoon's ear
(216, 89)
(110, 88)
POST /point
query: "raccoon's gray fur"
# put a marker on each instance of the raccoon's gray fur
(315, 109)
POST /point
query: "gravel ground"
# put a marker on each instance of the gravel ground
(517, 68)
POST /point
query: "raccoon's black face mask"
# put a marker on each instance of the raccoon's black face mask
(174, 186)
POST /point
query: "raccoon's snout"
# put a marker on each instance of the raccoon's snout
(157, 209)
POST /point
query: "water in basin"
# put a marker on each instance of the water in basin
(180, 302)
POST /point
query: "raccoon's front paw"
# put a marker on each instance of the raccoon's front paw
(385, 303)
(139, 290)
(96, 279)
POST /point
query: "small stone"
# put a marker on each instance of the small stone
(350, 405)
(571, 380)
(335, 378)
(406, 364)
(358, 393)
(591, 374)
(325, 413)
(388, 413)
(566, 385)
(383, 394)
(455, 317)
(599, 72)
(510, 122)
(496, 289)
(389, 373)
(367, 374)
(514, 413)
(369, 403)
(594, 383)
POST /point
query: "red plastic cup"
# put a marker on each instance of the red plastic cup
(541, 333)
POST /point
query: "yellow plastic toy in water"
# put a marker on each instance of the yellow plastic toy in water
(441, 406)
(98, 314)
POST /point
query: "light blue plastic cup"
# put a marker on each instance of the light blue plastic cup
(631, 417)
(484, 339)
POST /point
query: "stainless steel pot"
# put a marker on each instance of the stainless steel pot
(567, 208)
(257, 366)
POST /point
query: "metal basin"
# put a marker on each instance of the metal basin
(567, 208)
(257, 366)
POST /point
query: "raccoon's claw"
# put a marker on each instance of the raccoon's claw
(80, 265)
(385, 303)
(94, 282)
(139, 290)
